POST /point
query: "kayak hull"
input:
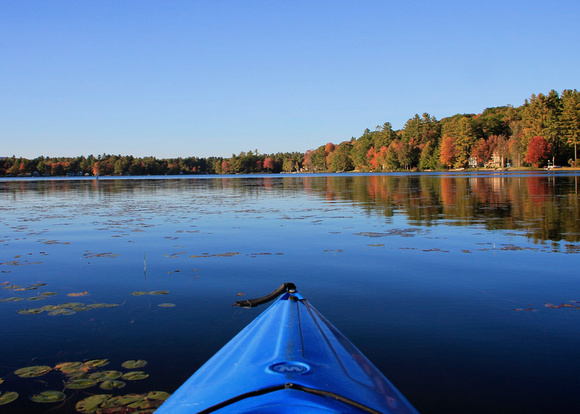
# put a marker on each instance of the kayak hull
(289, 359)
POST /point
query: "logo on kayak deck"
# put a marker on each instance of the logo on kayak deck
(289, 367)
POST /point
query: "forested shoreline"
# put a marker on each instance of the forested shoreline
(545, 130)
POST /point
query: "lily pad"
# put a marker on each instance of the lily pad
(105, 375)
(96, 305)
(132, 364)
(62, 311)
(48, 397)
(80, 384)
(122, 401)
(139, 293)
(158, 395)
(37, 298)
(166, 305)
(30, 311)
(112, 384)
(34, 371)
(7, 397)
(159, 292)
(48, 294)
(135, 375)
(92, 403)
(96, 363)
(12, 299)
(81, 374)
(71, 305)
(69, 367)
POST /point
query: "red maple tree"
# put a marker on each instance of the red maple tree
(269, 164)
(538, 151)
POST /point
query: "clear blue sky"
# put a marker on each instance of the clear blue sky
(201, 78)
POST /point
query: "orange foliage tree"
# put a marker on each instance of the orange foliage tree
(449, 151)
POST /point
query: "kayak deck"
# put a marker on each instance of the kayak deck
(289, 359)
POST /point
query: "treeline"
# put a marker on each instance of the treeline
(545, 129)
(106, 164)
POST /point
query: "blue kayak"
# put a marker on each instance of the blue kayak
(290, 359)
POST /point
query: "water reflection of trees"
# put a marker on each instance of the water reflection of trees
(546, 207)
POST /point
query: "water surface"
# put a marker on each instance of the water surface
(462, 288)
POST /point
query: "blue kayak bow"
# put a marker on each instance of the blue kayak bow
(290, 359)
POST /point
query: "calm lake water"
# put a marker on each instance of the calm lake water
(464, 289)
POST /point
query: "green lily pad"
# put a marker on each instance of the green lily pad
(122, 401)
(158, 395)
(71, 305)
(69, 367)
(166, 305)
(37, 298)
(80, 384)
(112, 384)
(139, 293)
(62, 311)
(12, 299)
(96, 363)
(77, 375)
(30, 311)
(48, 294)
(105, 375)
(135, 375)
(49, 308)
(132, 364)
(92, 403)
(48, 397)
(96, 305)
(7, 397)
(34, 371)
(159, 292)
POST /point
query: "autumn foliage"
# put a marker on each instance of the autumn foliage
(544, 127)
(538, 151)
(449, 151)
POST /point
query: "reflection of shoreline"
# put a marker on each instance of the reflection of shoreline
(543, 204)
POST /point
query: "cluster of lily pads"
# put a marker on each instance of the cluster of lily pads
(573, 304)
(69, 308)
(84, 375)
(19, 288)
(129, 403)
